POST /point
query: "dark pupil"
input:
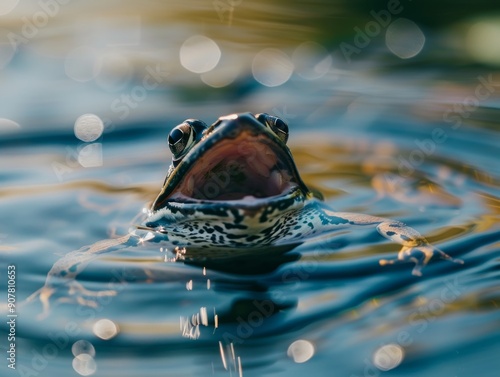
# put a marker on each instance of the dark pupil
(175, 136)
(279, 124)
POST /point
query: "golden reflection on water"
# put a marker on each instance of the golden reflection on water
(241, 39)
(335, 168)
(92, 186)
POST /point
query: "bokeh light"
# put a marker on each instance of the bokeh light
(482, 41)
(88, 127)
(199, 54)
(82, 347)
(404, 38)
(105, 329)
(84, 364)
(90, 156)
(388, 357)
(311, 60)
(224, 74)
(301, 351)
(272, 67)
(8, 126)
(7, 6)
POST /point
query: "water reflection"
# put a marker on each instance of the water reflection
(328, 306)
(252, 261)
(295, 301)
(234, 362)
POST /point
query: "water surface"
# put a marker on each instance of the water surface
(378, 136)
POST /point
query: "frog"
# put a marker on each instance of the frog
(233, 187)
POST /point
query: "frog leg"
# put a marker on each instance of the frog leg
(413, 243)
(75, 289)
(78, 294)
(65, 270)
(44, 294)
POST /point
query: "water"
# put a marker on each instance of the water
(378, 136)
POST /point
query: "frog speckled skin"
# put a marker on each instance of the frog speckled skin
(234, 185)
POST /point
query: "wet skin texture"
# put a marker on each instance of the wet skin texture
(233, 190)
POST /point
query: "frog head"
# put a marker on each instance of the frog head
(238, 167)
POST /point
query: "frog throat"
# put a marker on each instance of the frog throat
(239, 163)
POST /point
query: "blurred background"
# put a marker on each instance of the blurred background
(168, 60)
(393, 108)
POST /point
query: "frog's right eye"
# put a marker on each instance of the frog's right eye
(180, 138)
(184, 136)
(277, 125)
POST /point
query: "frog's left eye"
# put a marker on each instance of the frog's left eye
(184, 136)
(277, 125)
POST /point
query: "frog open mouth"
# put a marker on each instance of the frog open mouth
(245, 167)
(235, 162)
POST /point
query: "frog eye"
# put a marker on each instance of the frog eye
(184, 136)
(277, 125)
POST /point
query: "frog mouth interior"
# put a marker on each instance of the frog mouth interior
(233, 169)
